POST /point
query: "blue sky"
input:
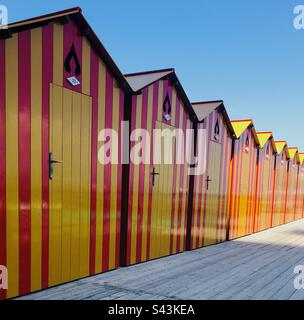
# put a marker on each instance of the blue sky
(244, 52)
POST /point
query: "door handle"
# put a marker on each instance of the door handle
(154, 173)
(51, 162)
(208, 180)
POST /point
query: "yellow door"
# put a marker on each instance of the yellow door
(69, 184)
(243, 194)
(213, 189)
(162, 195)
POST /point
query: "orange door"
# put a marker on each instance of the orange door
(69, 184)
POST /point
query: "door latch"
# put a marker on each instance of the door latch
(51, 162)
(208, 180)
(154, 173)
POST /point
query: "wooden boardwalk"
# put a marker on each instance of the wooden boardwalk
(255, 267)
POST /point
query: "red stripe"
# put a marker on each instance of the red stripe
(199, 225)
(273, 198)
(181, 190)
(107, 176)
(119, 178)
(24, 160)
(71, 36)
(141, 185)
(296, 197)
(131, 185)
(94, 93)
(177, 125)
(47, 76)
(210, 123)
(2, 163)
(154, 118)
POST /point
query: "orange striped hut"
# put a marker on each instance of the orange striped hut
(210, 190)
(300, 193)
(242, 187)
(156, 212)
(291, 184)
(280, 179)
(264, 181)
(59, 207)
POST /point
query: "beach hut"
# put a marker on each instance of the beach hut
(243, 170)
(280, 182)
(291, 184)
(264, 181)
(300, 193)
(155, 216)
(59, 207)
(207, 225)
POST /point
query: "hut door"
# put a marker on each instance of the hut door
(162, 195)
(69, 184)
(212, 189)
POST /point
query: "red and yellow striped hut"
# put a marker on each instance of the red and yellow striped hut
(300, 193)
(156, 214)
(59, 207)
(264, 181)
(291, 184)
(242, 187)
(280, 180)
(210, 190)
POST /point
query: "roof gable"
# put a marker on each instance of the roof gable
(139, 81)
(292, 152)
(240, 126)
(280, 145)
(203, 109)
(301, 158)
(263, 138)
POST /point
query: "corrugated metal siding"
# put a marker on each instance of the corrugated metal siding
(209, 207)
(32, 60)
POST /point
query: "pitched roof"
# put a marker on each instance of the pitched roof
(240, 126)
(141, 80)
(203, 109)
(264, 137)
(301, 158)
(63, 17)
(280, 145)
(293, 152)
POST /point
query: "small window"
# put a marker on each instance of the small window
(247, 145)
(217, 131)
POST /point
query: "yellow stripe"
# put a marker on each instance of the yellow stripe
(86, 124)
(76, 186)
(135, 189)
(58, 54)
(12, 199)
(36, 173)
(100, 171)
(55, 186)
(67, 185)
(86, 66)
(147, 178)
(114, 168)
(184, 208)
